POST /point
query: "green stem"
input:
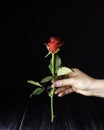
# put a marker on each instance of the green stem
(53, 64)
(52, 111)
(53, 89)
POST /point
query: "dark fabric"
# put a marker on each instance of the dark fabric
(72, 112)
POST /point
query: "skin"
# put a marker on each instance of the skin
(79, 82)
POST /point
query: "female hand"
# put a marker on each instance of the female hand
(79, 82)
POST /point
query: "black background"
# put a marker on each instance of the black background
(26, 26)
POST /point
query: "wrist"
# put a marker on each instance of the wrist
(97, 88)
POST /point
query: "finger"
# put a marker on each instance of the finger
(61, 89)
(65, 92)
(71, 74)
(75, 69)
(74, 89)
(64, 76)
(64, 82)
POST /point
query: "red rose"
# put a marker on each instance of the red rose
(54, 44)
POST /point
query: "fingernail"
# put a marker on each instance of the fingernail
(60, 95)
(55, 92)
(55, 84)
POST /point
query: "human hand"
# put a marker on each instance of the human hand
(79, 82)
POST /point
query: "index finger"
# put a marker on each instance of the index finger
(63, 82)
